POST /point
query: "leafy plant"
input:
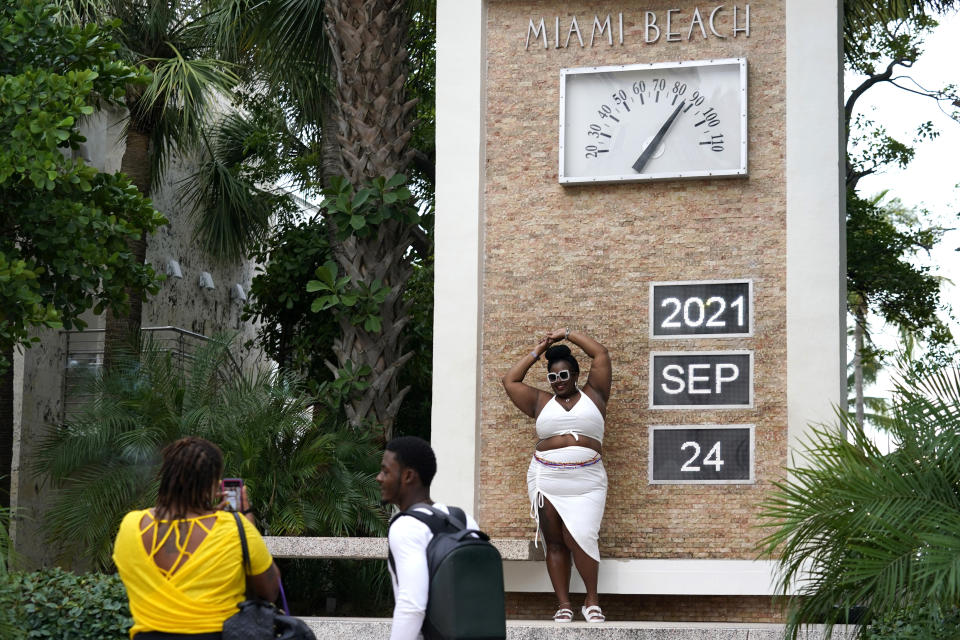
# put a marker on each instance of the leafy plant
(289, 333)
(302, 479)
(927, 622)
(361, 301)
(60, 605)
(853, 527)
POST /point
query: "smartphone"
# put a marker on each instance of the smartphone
(231, 490)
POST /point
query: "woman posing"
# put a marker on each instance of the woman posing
(566, 481)
(181, 560)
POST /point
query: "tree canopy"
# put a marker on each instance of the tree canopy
(64, 223)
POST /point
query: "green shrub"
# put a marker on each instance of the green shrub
(920, 623)
(60, 605)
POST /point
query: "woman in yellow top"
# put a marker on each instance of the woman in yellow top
(181, 561)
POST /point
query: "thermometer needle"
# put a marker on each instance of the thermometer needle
(655, 142)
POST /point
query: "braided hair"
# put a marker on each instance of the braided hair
(415, 453)
(191, 467)
(561, 353)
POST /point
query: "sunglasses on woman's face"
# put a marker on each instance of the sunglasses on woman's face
(563, 374)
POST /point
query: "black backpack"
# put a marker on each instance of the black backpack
(466, 579)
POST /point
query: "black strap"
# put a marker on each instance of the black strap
(438, 520)
(243, 542)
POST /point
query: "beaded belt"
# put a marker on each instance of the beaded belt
(561, 465)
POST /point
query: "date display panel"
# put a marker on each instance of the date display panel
(701, 454)
(691, 309)
(701, 379)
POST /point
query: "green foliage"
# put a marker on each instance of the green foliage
(64, 225)
(881, 241)
(5, 546)
(853, 527)
(59, 605)
(421, 86)
(927, 622)
(355, 588)
(174, 40)
(298, 340)
(231, 213)
(360, 212)
(303, 479)
(414, 416)
(362, 300)
(859, 16)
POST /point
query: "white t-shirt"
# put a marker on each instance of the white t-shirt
(408, 539)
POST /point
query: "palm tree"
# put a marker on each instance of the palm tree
(345, 113)
(302, 480)
(853, 527)
(175, 40)
(373, 124)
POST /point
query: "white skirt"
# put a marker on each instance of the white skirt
(577, 491)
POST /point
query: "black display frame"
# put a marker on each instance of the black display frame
(693, 284)
(692, 406)
(652, 430)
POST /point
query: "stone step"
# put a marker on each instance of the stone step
(379, 628)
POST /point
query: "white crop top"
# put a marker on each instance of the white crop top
(583, 419)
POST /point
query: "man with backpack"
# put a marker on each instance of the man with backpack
(447, 578)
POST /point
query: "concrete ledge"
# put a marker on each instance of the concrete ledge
(319, 548)
(379, 628)
(375, 548)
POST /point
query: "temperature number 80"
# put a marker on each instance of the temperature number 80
(694, 312)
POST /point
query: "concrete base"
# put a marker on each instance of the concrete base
(379, 628)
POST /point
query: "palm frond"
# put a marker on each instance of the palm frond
(303, 479)
(857, 527)
(231, 213)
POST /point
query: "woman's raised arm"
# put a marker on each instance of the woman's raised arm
(526, 398)
(601, 370)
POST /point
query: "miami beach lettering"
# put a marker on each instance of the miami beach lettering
(672, 25)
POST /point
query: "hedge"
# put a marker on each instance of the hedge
(59, 605)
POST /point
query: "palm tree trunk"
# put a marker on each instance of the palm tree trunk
(859, 322)
(6, 432)
(123, 329)
(373, 126)
(368, 46)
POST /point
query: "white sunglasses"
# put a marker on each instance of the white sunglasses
(563, 374)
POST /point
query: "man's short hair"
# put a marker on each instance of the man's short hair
(415, 453)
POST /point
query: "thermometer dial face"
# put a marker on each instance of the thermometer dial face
(661, 121)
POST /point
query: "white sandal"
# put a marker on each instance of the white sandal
(563, 615)
(593, 613)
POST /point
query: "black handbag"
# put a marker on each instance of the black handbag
(258, 619)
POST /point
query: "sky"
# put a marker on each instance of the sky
(931, 180)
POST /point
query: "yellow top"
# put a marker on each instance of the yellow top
(202, 589)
